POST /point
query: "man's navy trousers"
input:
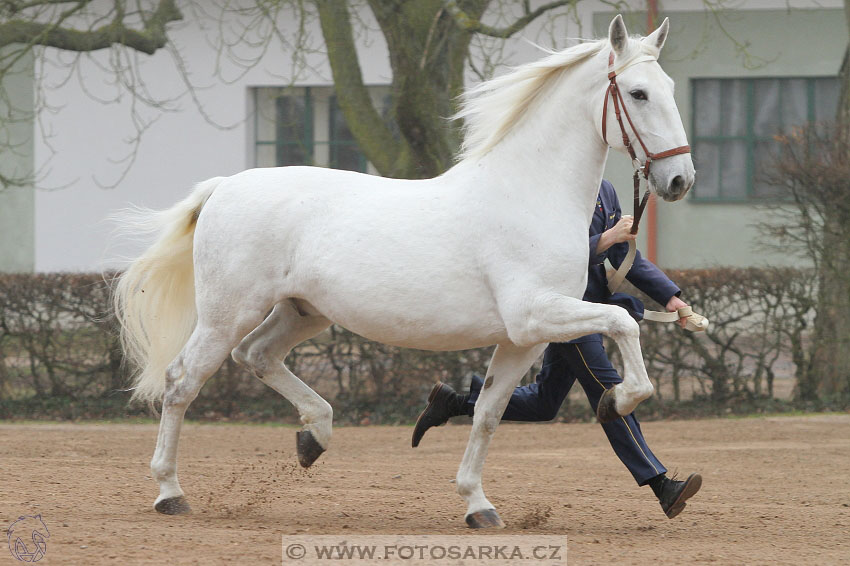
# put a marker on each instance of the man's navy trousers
(585, 361)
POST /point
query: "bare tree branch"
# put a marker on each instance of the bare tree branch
(53, 34)
(475, 25)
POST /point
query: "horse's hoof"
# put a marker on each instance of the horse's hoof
(173, 506)
(605, 410)
(308, 449)
(486, 519)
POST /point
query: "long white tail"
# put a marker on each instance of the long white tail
(154, 299)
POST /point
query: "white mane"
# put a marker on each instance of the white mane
(491, 108)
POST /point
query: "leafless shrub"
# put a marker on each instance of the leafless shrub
(757, 316)
(58, 340)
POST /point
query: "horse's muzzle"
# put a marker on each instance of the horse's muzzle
(671, 184)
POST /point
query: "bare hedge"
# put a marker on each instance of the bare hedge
(59, 352)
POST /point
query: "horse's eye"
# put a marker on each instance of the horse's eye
(638, 94)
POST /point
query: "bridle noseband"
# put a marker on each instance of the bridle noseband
(614, 92)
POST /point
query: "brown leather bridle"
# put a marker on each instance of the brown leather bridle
(614, 92)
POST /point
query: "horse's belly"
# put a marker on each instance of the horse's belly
(423, 338)
(449, 321)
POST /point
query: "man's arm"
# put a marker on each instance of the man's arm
(643, 274)
(620, 233)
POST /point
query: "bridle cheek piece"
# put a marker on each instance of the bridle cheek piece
(619, 109)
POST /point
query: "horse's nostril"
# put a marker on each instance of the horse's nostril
(677, 184)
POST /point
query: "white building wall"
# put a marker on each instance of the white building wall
(77, 144)
(179, 149)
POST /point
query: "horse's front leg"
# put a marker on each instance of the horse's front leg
(508, 365)
(551, 317)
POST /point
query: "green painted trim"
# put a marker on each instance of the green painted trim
(308, 129)
(256, 124)
(751, 120)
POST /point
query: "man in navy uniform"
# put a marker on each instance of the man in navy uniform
(585, 359)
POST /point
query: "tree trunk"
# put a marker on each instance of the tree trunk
(427, 55)
(831, 353)
(830, 367)
(427, 52)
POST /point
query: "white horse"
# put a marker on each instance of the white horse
(494, 251)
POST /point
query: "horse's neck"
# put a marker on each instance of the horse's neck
(555, 156)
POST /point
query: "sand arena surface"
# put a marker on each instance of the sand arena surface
(776, 490)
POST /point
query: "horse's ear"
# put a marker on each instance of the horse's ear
(659, 36)
(617, 34)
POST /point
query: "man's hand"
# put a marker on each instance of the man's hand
(674, 304)
(620, 232)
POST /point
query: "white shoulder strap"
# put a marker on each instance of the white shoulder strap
(617, 280)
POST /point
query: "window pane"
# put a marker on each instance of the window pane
(293, 131)
(706, 108)
(344, 151)
(266, 114)
(766, 97)
(826, 99)
(706, 155)
(795, 103)
(293, 154)
(765, 154)
(733, 172)
(734, 100)
(347, 157)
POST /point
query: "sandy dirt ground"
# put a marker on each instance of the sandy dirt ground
(776, 491)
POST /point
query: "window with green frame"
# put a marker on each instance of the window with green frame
(305, 126)
(734, 123)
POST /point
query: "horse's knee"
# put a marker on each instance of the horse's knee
(623, 325)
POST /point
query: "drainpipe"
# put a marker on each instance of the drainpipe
(651, 209)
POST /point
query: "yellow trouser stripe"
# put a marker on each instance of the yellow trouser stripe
(625, 422)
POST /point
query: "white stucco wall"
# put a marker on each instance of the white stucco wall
(179, 149)
(76, 143)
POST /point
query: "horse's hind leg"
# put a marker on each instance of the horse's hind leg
(506, 369)
(207, 348)
(264, 352)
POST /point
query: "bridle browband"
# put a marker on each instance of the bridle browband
(614, 92)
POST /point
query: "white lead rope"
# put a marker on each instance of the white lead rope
(696, 322)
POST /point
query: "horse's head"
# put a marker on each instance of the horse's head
(647, 111)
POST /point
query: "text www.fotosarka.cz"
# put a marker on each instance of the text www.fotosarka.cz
(490, 550)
